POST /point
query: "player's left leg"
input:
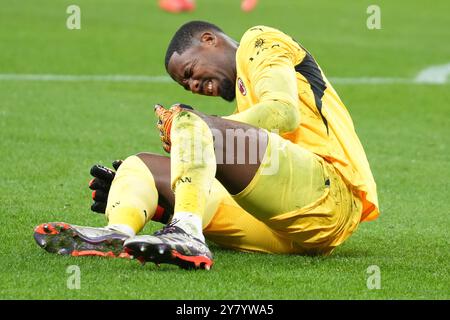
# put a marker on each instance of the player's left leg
(193, 169)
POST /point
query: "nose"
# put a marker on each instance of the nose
(194, 85)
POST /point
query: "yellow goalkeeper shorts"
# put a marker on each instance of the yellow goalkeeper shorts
(296, 203)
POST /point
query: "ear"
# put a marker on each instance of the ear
(208, 38)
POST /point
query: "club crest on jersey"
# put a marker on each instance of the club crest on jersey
(241, 87)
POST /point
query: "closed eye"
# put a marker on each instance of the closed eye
(187, 73)
(186, 76)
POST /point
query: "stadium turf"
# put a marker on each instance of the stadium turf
(53, 131)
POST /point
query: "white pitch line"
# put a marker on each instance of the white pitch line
(83, 78)
(422, 78)
(434, 74)
(370, 80)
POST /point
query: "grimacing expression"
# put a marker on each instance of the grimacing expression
(203, 70)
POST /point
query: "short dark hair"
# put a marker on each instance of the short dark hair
(183, 38)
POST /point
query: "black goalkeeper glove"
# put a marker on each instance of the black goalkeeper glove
(100, 184)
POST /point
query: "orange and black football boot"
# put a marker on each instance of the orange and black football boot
(170, 245)
(65, 239)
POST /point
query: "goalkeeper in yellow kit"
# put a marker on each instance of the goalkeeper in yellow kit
(286, 173)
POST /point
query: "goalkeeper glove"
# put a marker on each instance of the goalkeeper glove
(100, 184)
(165, 118)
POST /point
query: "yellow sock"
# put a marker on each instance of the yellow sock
(133, 197)
(193, 164)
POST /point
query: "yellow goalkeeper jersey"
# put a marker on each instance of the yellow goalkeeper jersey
(275, 73)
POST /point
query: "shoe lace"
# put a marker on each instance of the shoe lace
(169, 228)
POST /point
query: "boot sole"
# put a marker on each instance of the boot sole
(61, 238)
(162, 253)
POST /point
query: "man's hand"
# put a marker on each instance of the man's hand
(100, 184)
(164, 124)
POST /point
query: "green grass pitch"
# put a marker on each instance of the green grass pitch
(52, 132)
